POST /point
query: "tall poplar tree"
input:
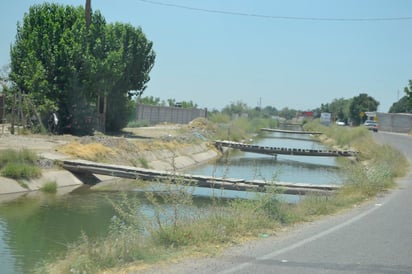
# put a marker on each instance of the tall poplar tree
(63, 65)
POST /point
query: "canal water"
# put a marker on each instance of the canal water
(39, 227)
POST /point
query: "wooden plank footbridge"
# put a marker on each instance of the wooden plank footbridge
(291, 131)
(282, 150)
(88, 167)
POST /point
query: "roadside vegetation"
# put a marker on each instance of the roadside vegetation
(19, 164)
(183, 229)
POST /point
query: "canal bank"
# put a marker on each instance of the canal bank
(161, 148)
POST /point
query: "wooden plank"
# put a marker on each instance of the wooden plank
(82, 166)
(288, 151)
(291, 131)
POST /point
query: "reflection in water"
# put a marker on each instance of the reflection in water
(7, 261)
(38, 228)
(283, 168)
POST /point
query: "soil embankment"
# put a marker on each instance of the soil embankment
(163, 147)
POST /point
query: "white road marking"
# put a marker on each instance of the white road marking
(302, 242)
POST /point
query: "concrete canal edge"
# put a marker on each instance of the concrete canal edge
(191, 156)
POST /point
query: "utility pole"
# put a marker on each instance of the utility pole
(88, 10)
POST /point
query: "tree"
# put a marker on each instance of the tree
(402, 106)
(408, 92)
(236, 108)
(269, 111)
(339, 108)
(361, 104)
(64, 65)
(150, 100)
(49, 60)
(288, 113)
(123, 70)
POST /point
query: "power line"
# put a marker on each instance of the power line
(276, 17)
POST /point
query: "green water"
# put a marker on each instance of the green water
(38, 228)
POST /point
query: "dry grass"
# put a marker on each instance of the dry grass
(92, 151)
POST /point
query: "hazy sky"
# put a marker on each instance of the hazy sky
(248, 53)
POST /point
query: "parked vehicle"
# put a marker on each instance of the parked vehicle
(371, 125)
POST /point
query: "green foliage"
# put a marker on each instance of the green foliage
(19, 164)
(219, 118)
(150, 100)
(408, 92)
(269, 111)
(343, 136)
(339, 108)
(20, 171)
(288, 113)
(143, 162)
(49, 187)
(167, 224)
(404, 105)
(65, 66)
(361, 103)
(238, 108)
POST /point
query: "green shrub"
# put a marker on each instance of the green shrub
(49, 187)
(143, 162)
(20, 171)
(219, 118)
(19, 164)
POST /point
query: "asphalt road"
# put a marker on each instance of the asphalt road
(373, 238)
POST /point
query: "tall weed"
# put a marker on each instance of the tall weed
(19, 164)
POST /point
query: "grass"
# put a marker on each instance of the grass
(175, 231)
(19, 164)
(49, 187)
(242, 128)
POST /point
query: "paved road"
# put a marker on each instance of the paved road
(373, 238)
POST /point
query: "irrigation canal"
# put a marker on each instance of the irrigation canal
(82, 166)
(38, 227)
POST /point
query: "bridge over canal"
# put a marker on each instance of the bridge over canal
(88, 167)
(291, 131)
(288, 151)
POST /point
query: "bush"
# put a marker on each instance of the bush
(22, 156)
(49, 187)
(19, 164)
(20, 171)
